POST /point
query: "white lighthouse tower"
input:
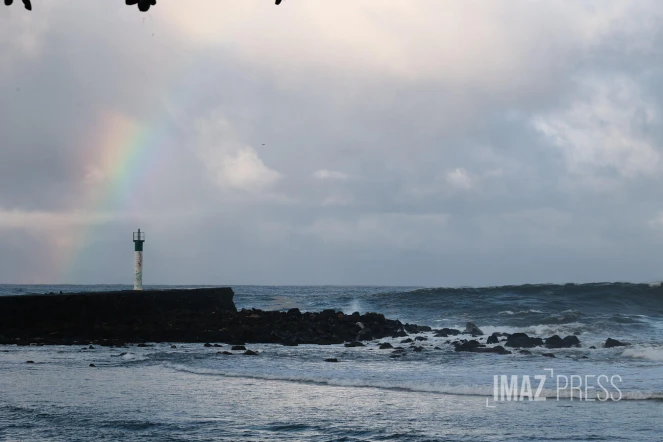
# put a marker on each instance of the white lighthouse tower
(139, 239)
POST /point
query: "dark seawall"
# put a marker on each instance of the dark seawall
(113, 317)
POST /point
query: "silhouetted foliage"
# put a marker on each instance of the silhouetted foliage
(143, 5)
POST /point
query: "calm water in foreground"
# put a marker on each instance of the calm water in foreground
(289, 393)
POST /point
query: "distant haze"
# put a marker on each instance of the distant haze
(390, 142)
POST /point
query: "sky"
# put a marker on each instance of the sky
(346, 142)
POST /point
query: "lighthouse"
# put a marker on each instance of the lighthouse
(139, 239)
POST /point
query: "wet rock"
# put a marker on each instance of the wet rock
(423, 328)
(91, 347)
(250, 353)
(418, 349)
(207, 344)
(525, 352)
(397, 355)
(592, 347)
(497, 349)
(225, 352)
(548, 355)
(173, 346)
(237, 347)
(354, 344)
(91, 365)
(29, 362)
(522, 340)
(493, 339)
(437, 348)
(446, 332)
(385, 346)
(556, 342)
(421, 338)
(406, 341)
(331, 360)
(472, 329)
(218, 345)
(609, 343)
(467, 345)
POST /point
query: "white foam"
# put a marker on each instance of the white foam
(424, 387)
(651, 353)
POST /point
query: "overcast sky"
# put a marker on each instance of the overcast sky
(387, 142)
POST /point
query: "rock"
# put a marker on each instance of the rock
(91, 365)
(406, 341)
(557, 342)
(361, 325)
(423, 328)
(472, 329)
(437, 348)
(522, 340)
(354, 344)
(467, 345)
(250, 353)
(548, 355)
(225, 352)
(395, 355)
(446, 332)
(385, 346)
(173, 346)
(237, 347)
(583, 357)
(207, 344)
(592, 347)
(29, 362)
(418, 349)
(497, 349)
(609, 343)
(525, 352)
(421, 338)
(493, 339)
(217, 345)
(331, 360)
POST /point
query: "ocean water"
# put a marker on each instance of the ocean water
(289, 393)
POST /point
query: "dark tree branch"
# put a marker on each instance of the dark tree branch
(143, 5)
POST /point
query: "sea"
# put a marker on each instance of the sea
(191, 393)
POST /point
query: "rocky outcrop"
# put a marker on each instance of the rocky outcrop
(472, 329)
(200, 315)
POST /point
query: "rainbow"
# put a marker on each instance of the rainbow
(124, 156)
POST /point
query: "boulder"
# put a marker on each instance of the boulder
(556, 342)
(493, 339)
(522, 340)
(385, 346)
(472, 329)
(446, 332)
(609, 343)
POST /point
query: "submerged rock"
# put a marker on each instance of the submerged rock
(548, 355)
(354, 344)
(237, 347)
(250, 353)
(91, 365)
(331, 360)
